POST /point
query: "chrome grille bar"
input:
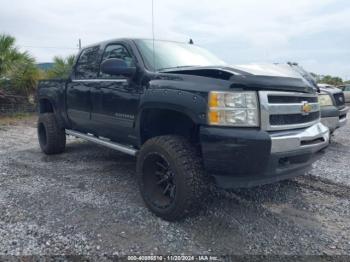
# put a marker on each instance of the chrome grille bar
(268, 109)
(281, 109)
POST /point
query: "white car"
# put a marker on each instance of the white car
(346, 90)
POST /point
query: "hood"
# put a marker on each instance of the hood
(252, 76)
(330, 90)
(273, 70)
(277, 70)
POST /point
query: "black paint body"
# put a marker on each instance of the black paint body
(116, 109)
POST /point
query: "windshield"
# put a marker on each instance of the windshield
(305, 74)
(172, 55)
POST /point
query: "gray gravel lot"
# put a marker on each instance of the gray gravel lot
(86, 202)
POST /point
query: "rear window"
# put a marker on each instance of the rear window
(87, 65)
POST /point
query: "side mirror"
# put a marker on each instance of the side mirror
(115, 66)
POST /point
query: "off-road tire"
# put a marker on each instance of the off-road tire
(190, 180)
(52, 137)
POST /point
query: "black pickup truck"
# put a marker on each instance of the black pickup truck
(189, 118)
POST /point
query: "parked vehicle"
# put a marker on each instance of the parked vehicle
(333, 108)
(187, 116)
(346, 89)
(331, 99)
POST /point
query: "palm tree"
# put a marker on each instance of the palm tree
(61, 67)
(16, 66)
(9, 54)
(25, 75)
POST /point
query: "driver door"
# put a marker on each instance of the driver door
(115, 99)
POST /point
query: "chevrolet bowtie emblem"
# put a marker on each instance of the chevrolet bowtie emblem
(306, 108)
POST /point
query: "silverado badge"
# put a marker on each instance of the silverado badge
(306, 108)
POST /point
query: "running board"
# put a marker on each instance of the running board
(113, 145)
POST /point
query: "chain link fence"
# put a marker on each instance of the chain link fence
(12, 109)
(13, 102)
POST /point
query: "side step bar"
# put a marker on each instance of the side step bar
(113, 145)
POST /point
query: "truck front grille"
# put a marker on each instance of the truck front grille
(291, 99)
(339, 99)
(291, 119)
(288, 110)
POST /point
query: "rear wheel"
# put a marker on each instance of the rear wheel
(52, 137)
(170, 177)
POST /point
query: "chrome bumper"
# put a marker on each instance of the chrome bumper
(335, 122)
(331, 122)
(313, 138)
(343, 121)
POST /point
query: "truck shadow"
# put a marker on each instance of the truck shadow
(230, 221)
(115, 163)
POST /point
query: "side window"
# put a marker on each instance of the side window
(87, 65)
(116, 51)
(347, 88)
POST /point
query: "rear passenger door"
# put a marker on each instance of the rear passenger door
(78, 90)
(115, 99)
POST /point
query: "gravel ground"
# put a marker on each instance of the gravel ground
(86, 202)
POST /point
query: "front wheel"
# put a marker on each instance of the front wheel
(52, 137)
(170, 177)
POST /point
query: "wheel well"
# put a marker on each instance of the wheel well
(45, 106)
(158, 122)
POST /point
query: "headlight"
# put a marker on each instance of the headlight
(325, 100)
(233, 108)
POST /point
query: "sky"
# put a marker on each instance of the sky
(314, 33)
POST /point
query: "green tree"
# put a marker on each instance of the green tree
(16, 66)
(331, 80)
(61, 67)
(24, 75)
(8, 53)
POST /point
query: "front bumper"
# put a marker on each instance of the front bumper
(333, 118)
(243, 157)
